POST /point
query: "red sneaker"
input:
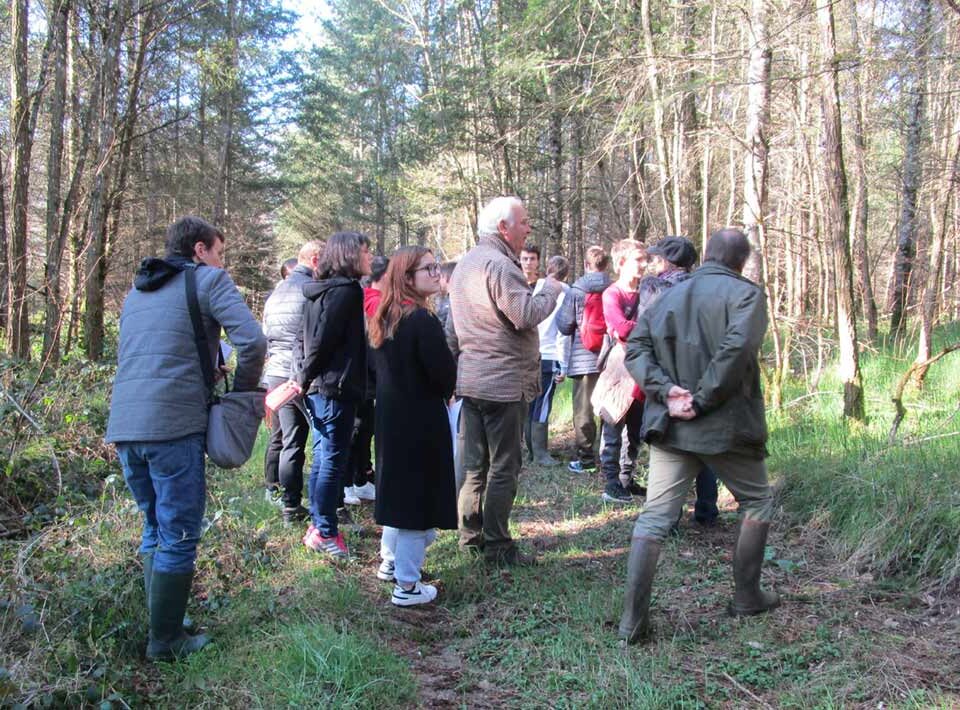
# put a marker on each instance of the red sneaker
(333, 546)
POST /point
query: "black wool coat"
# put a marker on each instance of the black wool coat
(416, 375)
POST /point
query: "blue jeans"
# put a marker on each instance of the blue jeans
(167, 479)
(332, 423)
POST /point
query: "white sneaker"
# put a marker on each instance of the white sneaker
(385, 572)
(420, 594)
(365, 492)
(350, 496)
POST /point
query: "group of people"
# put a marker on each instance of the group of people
(370, 347)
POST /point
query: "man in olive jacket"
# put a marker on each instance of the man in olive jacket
(493, 334)
(694, 352)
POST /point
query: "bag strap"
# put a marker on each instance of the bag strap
(630, 312)
(199, 334)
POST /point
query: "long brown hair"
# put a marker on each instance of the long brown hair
(399, 296)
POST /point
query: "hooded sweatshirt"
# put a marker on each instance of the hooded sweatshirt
(334, 360)
(158, 392)
(569, 317)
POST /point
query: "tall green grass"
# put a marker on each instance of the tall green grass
(892, 509)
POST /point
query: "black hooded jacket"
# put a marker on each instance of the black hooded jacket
(334, 356)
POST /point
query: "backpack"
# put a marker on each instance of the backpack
(592, 326)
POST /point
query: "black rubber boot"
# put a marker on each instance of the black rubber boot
(538, 439)
(748, 598)
(641, 569)
(188, 624)
(168, 600)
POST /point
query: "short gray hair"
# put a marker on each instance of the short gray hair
(496, 210)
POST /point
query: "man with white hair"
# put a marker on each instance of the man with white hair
(492, 331)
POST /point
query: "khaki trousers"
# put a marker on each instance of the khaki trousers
(672, 472)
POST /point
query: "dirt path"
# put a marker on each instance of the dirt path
(868, 642)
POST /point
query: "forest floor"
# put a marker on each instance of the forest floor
(292, 629)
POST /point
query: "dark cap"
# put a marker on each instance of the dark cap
(679, 251)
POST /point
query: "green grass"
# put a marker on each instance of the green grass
(867, 530)
(894, 510)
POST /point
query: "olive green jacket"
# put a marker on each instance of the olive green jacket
(704, 335)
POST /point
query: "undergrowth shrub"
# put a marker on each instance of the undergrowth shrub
(57, 457)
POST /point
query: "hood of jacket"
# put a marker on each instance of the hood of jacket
(315, 289)
(153, 273)
(593, 282)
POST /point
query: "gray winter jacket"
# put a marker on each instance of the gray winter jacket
(582, 361)
(283, 320)
(158, 392)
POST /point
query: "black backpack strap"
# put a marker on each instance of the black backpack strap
(199, 334)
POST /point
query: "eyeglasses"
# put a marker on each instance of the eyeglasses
(431, 269)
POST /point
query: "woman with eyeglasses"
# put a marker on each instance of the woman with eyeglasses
(416, 375)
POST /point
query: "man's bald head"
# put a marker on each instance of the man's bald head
(729, 247)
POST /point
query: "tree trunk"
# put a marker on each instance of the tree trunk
(861, 204)
(690, 178)
(932, 291)
(144, 34)
(4, 264)
(95, 273)
(911, 175)
(758, 119)
(575, 250)
(18, 332)
(660, 142)
(555, 189)
(838, 218)
(55, 243)
(221, 198)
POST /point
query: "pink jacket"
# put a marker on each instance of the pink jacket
(615, 302)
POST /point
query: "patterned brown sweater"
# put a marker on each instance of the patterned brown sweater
(492, 330)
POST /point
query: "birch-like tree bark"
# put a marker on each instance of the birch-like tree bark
(911, 173)
(837, 217)
(758, 120)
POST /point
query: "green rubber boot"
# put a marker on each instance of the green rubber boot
(748, 598)
(168, 600)
(188, 624)
(538, 436)
(641, 569)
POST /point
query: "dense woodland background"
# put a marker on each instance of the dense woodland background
(831, 130)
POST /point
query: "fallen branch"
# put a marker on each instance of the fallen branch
(897, 398)
(746, 691)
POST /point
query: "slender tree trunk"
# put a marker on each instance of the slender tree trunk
(144, 34)
(861, 204)
(221, 198)
(838, 218)
(911, 175)
(54, 240)
(4, 263)
(690, 180)
(18, 334)
(932, 291)
(575, 250)
(660, 142)
(95, 273)
(555, 190)
(758, 119)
